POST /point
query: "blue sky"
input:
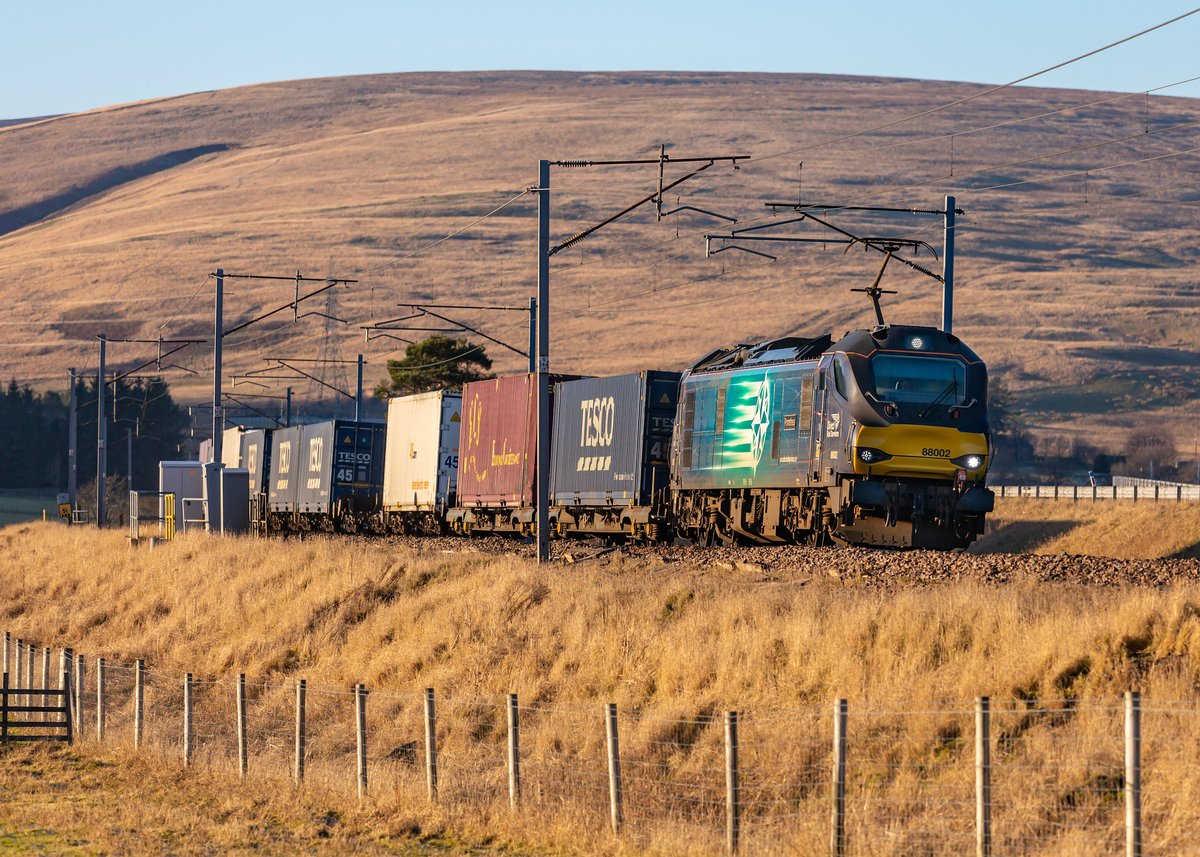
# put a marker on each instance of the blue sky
(74, 55)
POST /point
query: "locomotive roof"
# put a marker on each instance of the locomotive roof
(788, 349)
(794, 349)
(903, 337)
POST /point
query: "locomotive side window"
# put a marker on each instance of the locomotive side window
(703, 426)
(839, 379)
(806, 404)
(920, 380)
(689, 421)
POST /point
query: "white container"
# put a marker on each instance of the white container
(231, 446)
(421, 462)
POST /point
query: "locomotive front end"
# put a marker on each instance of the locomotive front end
(918, 442)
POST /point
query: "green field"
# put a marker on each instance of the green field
(19, 506)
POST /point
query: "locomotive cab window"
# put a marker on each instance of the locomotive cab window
(920, 380)
(839, 379)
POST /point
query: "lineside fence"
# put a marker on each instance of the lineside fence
(1092, 493)
(984, 776)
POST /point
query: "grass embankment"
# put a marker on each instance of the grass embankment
(1115, 528)
(674, 646)
(57, 801)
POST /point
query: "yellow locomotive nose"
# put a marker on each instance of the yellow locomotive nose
(927, 452)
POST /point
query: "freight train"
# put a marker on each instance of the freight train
(880, 438)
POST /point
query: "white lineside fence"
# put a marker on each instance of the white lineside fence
(987, 776)
(1163, 493)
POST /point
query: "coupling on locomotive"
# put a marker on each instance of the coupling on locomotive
(878, 438)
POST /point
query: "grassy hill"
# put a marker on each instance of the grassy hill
(110, 221)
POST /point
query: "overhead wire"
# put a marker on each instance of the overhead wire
(1022, 119)
(989, 91)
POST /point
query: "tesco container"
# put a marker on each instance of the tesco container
(284, 469)
(256, 458)
(340, 467)
(497, 459)
(612, 439)
(421, 462)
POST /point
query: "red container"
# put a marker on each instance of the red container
(497, 457)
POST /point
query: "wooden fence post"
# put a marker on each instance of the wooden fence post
(99, 699)
(241, 725)
(360, 718)
(1133, 774)
(139, 700)
(733, 809)
(18, 666)
(298, 770)
(64, 684)
(837, 841)
(7, 646)
(45, 678)
(514, 752)
(983, 777)
(79, 689)
(431, 779)
(615, 798)
(5, 702)
(30, 684)
(187, 720)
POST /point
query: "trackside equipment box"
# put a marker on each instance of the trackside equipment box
(612, 439)
(421, 461)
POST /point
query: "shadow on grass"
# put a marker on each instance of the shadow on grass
(1021, 536)
(1191, 551)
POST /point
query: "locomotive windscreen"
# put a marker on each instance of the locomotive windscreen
(920, 380)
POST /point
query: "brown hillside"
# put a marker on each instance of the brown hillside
(110, 220)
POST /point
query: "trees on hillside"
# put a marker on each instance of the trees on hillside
(33, 432)
(433, 364)
(33, 438)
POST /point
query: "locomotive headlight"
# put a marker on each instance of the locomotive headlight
(969, 462)
(867, 455)
(917, 342)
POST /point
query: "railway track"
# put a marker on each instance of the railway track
(840, 566)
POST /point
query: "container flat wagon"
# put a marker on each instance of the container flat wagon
(420, 477)
(611, 448)
(327, 476)
(497, 458)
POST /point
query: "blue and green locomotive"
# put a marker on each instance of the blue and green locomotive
(880, 438)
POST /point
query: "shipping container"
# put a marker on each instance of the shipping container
(611, 445)
(284, 469)
(256, 458)
(326, 476)
(421, 462)
(497, 460)
(341, 468)
(231, 446)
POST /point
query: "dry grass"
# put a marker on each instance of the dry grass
(347, 174)
(1120, 529)
(109, 801)
(674, 647)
